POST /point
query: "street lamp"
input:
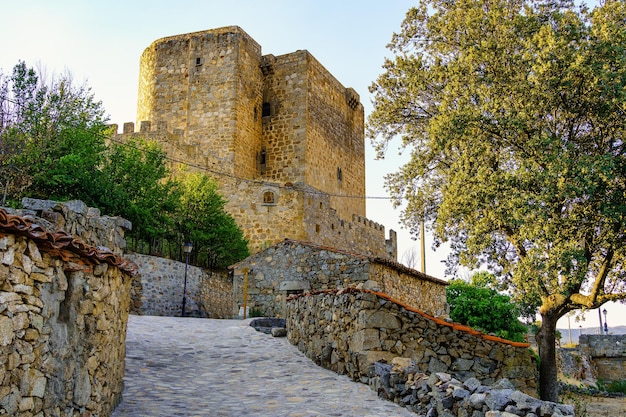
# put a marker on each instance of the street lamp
(606, 328)
(187, 249)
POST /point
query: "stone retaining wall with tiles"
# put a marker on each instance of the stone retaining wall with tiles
(63, 314)
(349, 330)
(293, 266)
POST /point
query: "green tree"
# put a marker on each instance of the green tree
(136, 184)
(51, 135)
(513, 111)
(483, 308)
(202, 220)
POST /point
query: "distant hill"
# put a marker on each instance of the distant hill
(575, 332)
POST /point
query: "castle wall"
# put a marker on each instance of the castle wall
(207, 84)
(284, 125)
(324, 225)
(335, 153)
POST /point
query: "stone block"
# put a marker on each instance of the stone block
(6, 331)
(366, 339)
(294, 286)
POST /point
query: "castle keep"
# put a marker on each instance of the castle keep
(283, 138)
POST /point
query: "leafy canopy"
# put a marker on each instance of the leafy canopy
(513, 112)
(51, 135)
(483, 308)
(201, 218)
(54, 143)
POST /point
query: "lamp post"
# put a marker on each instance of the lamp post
(187, 249)
(606, 328)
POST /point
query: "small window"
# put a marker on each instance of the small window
(198, 62)
(269, 197)
(267, 110)
(317, 228)
(263, 157)
(339, 174)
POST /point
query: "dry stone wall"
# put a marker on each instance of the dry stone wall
(158, 289)
(291, 267)
(63, 313)
(348, 331)
(606, 354)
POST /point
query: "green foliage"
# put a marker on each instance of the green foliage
(613, 386)
(136, 185)
(53, 145)
(484, 309)
(202, 220)
(513, 112)
(51, 136)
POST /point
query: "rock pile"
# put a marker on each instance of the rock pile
(441, 395)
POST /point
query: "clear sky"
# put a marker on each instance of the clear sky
(101, 42)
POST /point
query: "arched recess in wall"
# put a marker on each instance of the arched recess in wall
(269, 196)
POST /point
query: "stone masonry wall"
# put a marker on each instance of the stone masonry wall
(607, 355)
(335, 141)
(158, 289)
(299, 212)
(275, 132)
(324, 226)
(207, 84)
(348, 331)
(63, 315)
(410, 287)
(290, 267)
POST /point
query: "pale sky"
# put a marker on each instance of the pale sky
(101, 42)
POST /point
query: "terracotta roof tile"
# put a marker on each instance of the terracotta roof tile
(455, 326)
(63, 244)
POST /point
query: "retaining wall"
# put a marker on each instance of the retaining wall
(348, 331)
(63, 314)
(292, 266)
(158, 289)
(607, 355)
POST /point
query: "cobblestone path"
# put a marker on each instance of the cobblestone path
(198, 367)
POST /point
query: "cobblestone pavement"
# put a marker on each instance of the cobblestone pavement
(199, 367)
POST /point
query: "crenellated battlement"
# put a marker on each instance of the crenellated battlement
(257, 122)
(146, 126)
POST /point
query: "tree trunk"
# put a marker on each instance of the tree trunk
(546, 340)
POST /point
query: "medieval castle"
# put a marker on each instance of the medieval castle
(283, 138)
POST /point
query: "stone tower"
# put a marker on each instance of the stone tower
(284, 139)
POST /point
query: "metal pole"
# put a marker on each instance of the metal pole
(245, 291)
(423, 247)
(600, 317)
(185, 284)
(569, 330)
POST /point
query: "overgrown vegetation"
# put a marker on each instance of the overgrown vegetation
(54, 145)
(480, 306)
(613, 386)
